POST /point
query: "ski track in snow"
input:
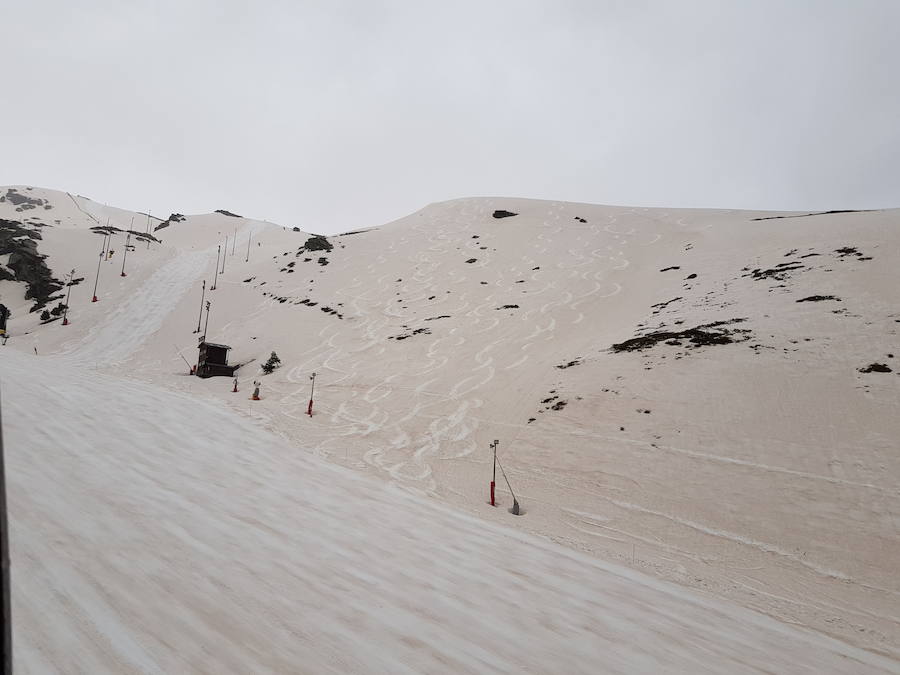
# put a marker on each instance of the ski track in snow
(411, 461)
(154, 547)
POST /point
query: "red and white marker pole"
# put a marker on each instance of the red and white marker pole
(312, 390)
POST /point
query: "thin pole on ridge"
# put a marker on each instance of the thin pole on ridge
(249, 236)
(226, 252)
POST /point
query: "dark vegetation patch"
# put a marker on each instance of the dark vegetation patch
(819, 298)
(818, 213)
(501, 213)
(876, 368)
(666, 269)
(699, 336)
(576, 362)
(417, 331)
(227, 213)
(26, 265)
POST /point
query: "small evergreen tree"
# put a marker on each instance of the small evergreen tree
(56, 311)
(273, 363)
(45, 315)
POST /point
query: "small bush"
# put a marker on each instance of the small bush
(270, 365)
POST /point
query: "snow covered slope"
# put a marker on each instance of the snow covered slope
(740, 439)
(174, 537)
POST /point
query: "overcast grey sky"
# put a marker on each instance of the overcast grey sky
(332, 115)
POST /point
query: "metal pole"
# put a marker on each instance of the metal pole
(148, 229)
(249, 236)
(99, 262)
(4, 567)
(226, 251)
(125, 254)
(234, 240)
(312, 390)
(215, 278)
(107, 237)
(515, 508)
(206, 325)
(494, 476)
(202, 298)
(68, 293)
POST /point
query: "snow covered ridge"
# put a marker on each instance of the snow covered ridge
(689, 392)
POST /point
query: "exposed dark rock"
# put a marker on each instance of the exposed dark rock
(23, 202)
(661, 305)
(875, 368)
(780, 272)
(227, 213)
(691, 276)
(819, 298)
(435, 318)
(699, 336)
(417, 331)
(818, 213)
(317, 243)
(576, 362)
(471, 260)
(509, 307)
(501, 213)
(26, 264)
(674, 267)
(173, 218)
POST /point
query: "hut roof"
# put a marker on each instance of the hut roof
(213, 344)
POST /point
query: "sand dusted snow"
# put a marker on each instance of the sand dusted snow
(761, 469)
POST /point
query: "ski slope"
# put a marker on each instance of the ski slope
(156, 533)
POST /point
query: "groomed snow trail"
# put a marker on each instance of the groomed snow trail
(155, 533)
(133, 321)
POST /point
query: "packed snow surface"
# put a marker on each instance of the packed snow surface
(155, 533)
(707, 397)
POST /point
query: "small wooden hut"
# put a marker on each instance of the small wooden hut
(213, 360)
